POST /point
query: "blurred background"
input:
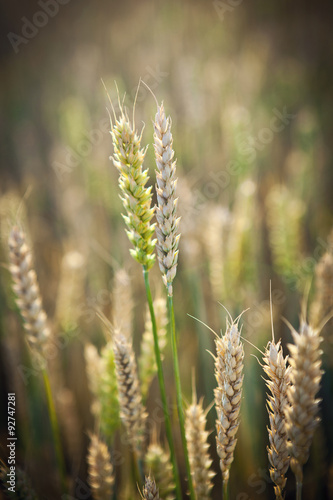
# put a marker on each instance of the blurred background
(248, 86)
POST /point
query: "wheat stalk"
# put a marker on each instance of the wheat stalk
(228, 393)
(302, 414)
(167, 222)
(132, 412)
(100, 469)
(150, 491)
(278, 373)
(136, 197)
(147, 363)
(200, 460)
(26, 288)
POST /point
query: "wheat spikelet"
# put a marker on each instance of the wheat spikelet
(122, 303)
(167, 222)
(278, 381)
(150, 491)
(132, 412)
(136, 197)
(147, 362)
(26, 288)
(302, 414)
(157, 462)
(200, 460)
(100, 469)
(228, 393)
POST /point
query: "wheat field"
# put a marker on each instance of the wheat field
(166, 235)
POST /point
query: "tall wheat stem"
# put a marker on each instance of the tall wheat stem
(55, 430)
(162, 386)
(179, 393)
(225, 490)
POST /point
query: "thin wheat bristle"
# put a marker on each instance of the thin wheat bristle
(200, 461)
(26, 289)
(100, 469)
(228, 393)
(147, 362)
(150, 491)
(167, 221)
(157, 462)
(278, 373)
(132, 411)
(136, 197)
(302, 414)
(122, 303)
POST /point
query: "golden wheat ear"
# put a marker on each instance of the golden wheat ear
(228, 393)
(26, 289)
(302, 414)
(100, 469)
(197, 442)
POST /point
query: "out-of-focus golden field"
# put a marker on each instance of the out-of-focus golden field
(248, 87)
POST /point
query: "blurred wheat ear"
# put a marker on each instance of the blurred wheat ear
(157, 462)
(26, 289)
(150, 491)
(100, 469)
(302, 414)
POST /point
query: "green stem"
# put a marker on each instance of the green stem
(179, 394)
(55, 431)
(168, 429)
(225, 490)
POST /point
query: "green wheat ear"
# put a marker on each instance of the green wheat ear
(136, 197)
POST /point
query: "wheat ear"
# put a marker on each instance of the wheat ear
(150, 491)
(26, 288)
(136, 197)
(200, 460)
(132, 412)
(278, 373)
(147, 363)
(167, 222)
(302, 414)
(157, 463)
(100, 469)
(228, 393)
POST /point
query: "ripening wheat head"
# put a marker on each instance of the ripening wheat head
(167, 222)
(150, 491)
(200, 461)
(136, 197)
(26, 288)
(157, 463)
(278, 373)
(100, 469)
(228, 393)
(132, 411)
(302, 414)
